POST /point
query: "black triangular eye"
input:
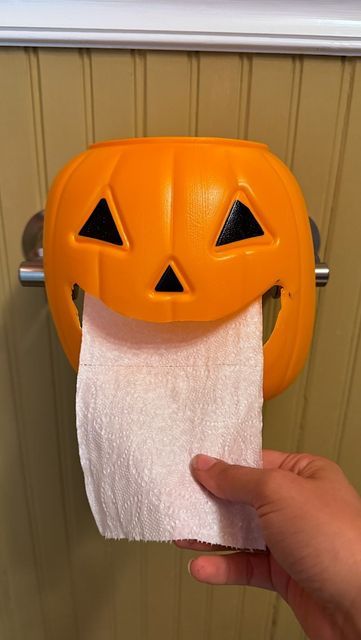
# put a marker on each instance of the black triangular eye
(240, 224)
(101, 226)
(169, 282)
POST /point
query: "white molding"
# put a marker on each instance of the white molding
(331, 27)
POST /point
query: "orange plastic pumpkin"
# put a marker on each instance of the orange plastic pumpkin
(176, 229)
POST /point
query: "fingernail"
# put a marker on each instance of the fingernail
(189, 566)
(202, 462)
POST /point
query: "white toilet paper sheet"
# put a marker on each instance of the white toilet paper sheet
(149, 397)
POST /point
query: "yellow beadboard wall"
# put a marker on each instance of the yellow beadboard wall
(59, 579)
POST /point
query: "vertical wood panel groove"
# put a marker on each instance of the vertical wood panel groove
(343, 105)
(35, 84)
(110, 559)
(143, 595)
(248, 95)
(178, 559)
(244, 96)
(207, 618)
(238, 620)
(33, 62)
(294, 110)
(113, 85)
(193, 93)
(349, 373)
(139, 93)
(272, 629)
(196, 68)
(88, 95)
(342, 146)
(239, 96)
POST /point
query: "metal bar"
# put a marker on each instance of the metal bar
(31, 272)
(322, 273)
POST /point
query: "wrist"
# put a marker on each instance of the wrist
(349, 616)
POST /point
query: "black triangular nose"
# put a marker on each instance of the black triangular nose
(169, 283)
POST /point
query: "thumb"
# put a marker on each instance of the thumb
(232, 482)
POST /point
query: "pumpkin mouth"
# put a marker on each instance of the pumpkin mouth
(271, 306)
(169, 282)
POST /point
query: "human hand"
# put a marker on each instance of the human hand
(311, 521)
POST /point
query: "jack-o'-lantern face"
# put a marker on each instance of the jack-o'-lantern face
(176, 229)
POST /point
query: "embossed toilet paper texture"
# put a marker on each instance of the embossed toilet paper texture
(149, 397)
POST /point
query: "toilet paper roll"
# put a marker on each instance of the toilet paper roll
(149, 397)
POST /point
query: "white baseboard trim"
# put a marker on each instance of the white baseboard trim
(328, 27)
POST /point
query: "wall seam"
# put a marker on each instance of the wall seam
(88, 93)
(193, 94)
(197, 88)
(140, 99)
(293, 117)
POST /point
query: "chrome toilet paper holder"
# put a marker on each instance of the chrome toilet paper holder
(31, 270)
